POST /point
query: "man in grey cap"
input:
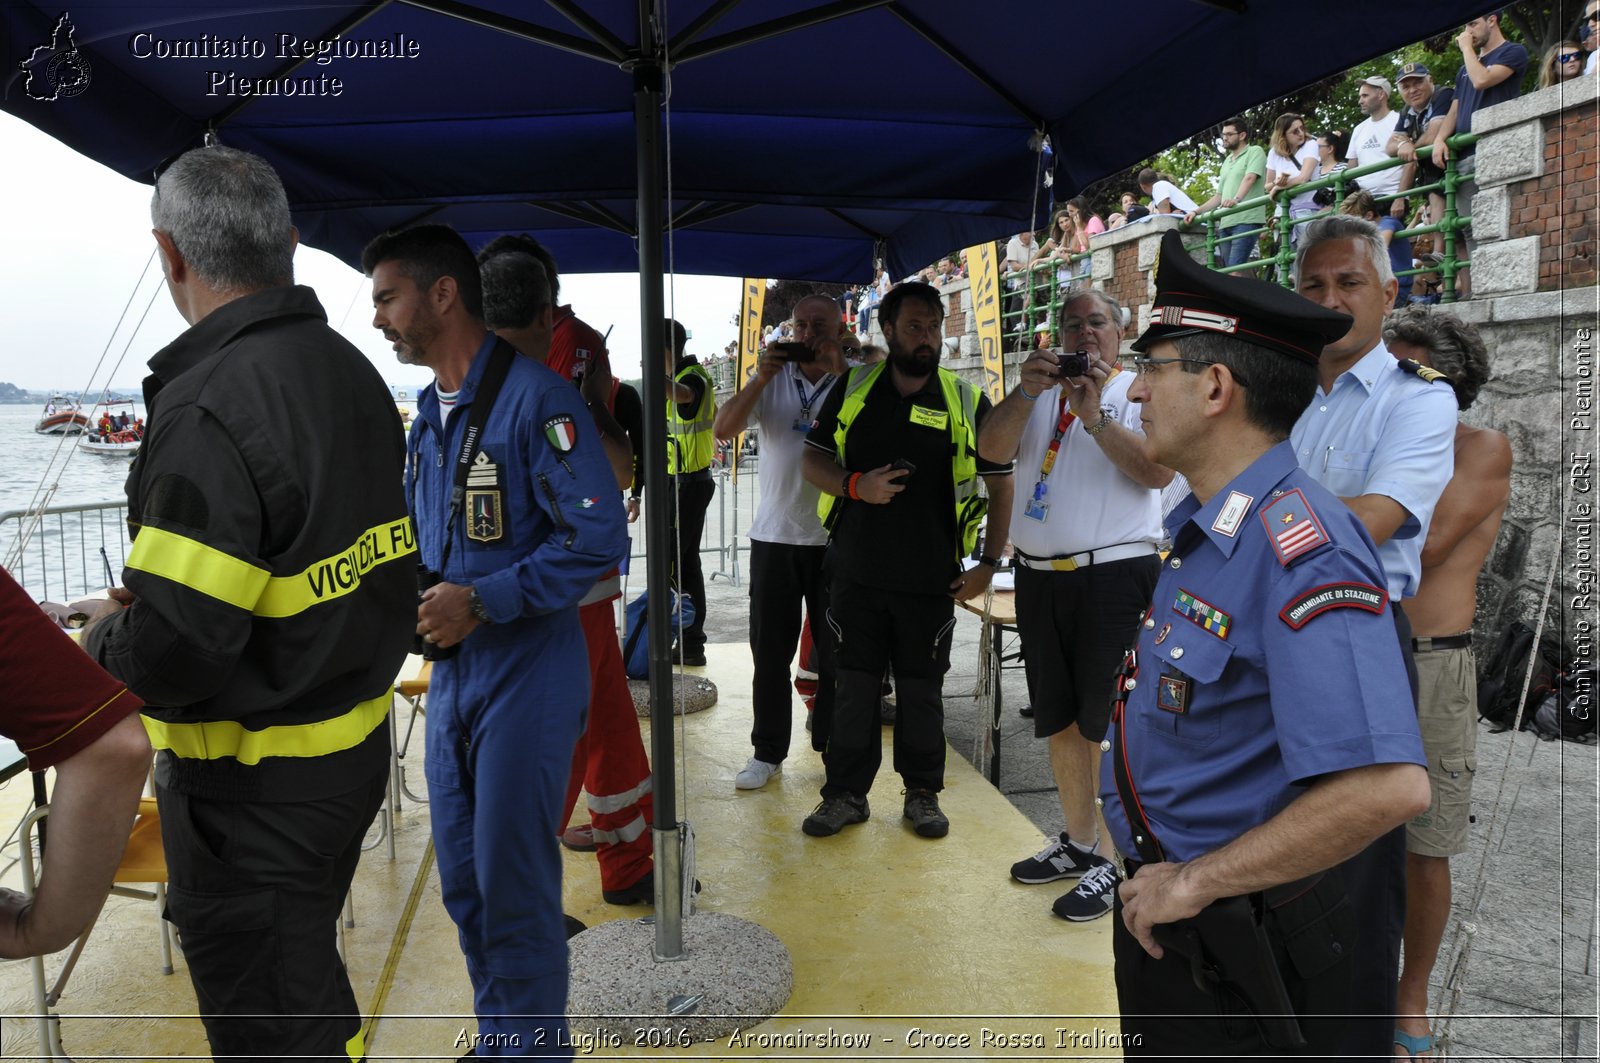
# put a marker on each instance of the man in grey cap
(1419, 125)
(1369, 141)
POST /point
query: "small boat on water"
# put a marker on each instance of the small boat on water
(116, 432)
(61, 416)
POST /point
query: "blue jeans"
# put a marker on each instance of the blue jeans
(1237, 252)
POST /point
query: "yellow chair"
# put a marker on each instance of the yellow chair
(143, 861)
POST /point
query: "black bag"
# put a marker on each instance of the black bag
(1500, 679)
(1569, 711)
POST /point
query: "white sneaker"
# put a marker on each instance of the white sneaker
(755, 774)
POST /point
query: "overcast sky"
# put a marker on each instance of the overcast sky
(80, 242)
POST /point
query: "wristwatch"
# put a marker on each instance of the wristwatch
(992, 562)
(1107, 415)
(475, 604)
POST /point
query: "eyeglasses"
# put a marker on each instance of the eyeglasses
(1570, 57)
(1142, 366)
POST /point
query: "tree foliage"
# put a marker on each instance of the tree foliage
(1330, 103)
(782, 295)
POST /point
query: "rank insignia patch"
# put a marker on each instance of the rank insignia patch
(1202, 613)
(1172, 695)
(485, 508)
(1319, 600)
(561, 432)
(1231, 515)
(1292, 526)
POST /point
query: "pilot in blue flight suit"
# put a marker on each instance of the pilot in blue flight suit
(538, 522)
(1264, 732)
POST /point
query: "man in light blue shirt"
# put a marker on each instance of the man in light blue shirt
(1377, 434)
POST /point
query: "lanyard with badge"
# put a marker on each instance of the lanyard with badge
(1037, 508)
(804, 422)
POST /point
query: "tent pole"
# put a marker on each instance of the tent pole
(648, 72)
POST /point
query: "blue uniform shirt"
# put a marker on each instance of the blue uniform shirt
(1256, 676)
(543, 518)
(1383, 431)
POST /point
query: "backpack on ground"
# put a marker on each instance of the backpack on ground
(636, 628)
(1501, 677)
(1569, 711)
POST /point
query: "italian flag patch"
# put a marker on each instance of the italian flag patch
(561, 432)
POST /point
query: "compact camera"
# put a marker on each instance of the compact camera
(1072, 365)
(798, 353)
(430, 651)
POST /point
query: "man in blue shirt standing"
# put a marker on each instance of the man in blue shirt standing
(1491, 73)
(1262, 735)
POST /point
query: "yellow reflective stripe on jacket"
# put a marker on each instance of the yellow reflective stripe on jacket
(334, 577)
(238, 583)
(961, 402)
(356, 1047)
(216, 739)
(197, 566)
(692, 441)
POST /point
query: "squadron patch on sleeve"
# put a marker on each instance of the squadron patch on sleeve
(1319, 600)
(561, 432)
(1292, 526)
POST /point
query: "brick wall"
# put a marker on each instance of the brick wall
(1559, 207)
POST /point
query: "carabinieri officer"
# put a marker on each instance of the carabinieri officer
(1264, 734)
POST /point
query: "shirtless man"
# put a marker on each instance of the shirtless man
(1465, 524)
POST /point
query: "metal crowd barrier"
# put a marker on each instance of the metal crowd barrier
(62, 559)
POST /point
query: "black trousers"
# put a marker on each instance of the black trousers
(1344, 996)
(873, 629)
(254, 890)
(694, 493)
(783, 579)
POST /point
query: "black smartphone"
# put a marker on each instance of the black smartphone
(902, 465)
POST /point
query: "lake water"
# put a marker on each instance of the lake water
(63, 557)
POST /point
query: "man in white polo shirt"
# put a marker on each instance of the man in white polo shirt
(787, 542)
(1085, 524)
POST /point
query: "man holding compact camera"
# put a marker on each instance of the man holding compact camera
(517, 515)
(1086, 531)
(894, 453)
(787, 543)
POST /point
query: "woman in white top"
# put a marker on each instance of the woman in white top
(1060, 244)
(1292, 161)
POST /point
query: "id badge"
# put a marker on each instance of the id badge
(802, 425)
(1036, 509)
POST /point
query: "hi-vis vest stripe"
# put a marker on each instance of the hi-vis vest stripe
(252, 588)
(215, 739)
(961, 401)
(691, 444)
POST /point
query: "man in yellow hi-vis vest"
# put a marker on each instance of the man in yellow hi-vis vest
(894, 453)
(691, 410)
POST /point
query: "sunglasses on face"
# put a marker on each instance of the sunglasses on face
(1569, 57)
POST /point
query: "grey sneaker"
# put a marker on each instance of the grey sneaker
(755, 774)
(1094, 895)
(833, 814)
(1055, 861)
(922, 809)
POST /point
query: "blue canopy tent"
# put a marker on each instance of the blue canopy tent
(803, 137)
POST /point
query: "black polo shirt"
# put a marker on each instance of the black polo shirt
(908, 545)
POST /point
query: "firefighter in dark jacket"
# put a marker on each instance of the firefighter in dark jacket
(269, 595)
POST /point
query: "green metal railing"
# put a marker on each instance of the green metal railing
(1039, 297)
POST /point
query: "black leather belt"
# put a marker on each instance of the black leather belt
(1446, 642)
